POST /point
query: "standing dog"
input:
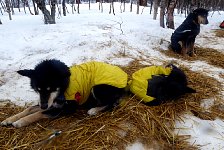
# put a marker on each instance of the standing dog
(183, 38)
(156, 84)
(63, 89)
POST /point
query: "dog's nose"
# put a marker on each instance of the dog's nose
(43, 106)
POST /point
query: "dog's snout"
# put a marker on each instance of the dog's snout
(43, 106)
(206, 22)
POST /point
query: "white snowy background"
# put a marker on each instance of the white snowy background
(92, 35)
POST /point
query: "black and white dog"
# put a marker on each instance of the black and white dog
(94, 85)
(183, 38)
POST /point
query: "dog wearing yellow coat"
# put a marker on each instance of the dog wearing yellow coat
(157, 84)
(63, 89)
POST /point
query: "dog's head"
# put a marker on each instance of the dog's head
(202, 15)
(49, 78)
(170, 87)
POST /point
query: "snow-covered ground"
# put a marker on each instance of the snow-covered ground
(92, 35)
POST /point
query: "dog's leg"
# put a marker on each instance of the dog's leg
(96, 110)
(184, 48)
(29, 119)
(22, 114)
(192, 48)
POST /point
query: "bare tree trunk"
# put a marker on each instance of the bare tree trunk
(12, 6)
(24, 6)
(53, 9)
(78, 1)
(27, 3)
(18, 1)
(124, 6)
(34, 8)
(47, 17)
(137, 7)
(89, 4)
(63, 7)
(170, 11)
(73, 6)
(7, 3)
(1, 10)
(162, 13)
(131, 6)
(151, 3)
(143, 2)
(155, 9)
(101, 5)
(112, 7)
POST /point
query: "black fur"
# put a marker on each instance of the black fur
(188, 30)
(164, 88)
(48, 73)
(55, 75)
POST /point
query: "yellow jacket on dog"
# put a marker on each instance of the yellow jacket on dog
(139, 83)
(85, 76)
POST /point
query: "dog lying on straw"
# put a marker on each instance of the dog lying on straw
(157, 84)
(63, 89)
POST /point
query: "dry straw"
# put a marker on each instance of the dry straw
(219, 33)
(131, 122)
(211, 56)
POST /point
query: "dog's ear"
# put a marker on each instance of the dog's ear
(189, 90)
(26, 72)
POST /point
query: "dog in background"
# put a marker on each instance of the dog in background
(94, 85)
(183, 38)
(157, 84)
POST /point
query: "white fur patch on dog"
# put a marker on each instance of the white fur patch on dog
(96, 110)
(53, 95)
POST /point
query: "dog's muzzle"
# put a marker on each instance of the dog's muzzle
(44, 106)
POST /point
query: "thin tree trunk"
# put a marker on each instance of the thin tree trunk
(12, 6)
(27, 3)
(34, 8)
(78, 1)
(131, 6)
(162, 13)
(63, 7)
(124, 6)
(170, 11)
(1, 10)
(112, 7)
(155, 9)
(73, 6)
(151, 4)
(24, 6)
(137, 6)
(89, 4)
(53, 10)
(8, 9)
(101, 4)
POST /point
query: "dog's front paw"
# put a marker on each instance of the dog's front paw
(20, 123)
(93, 111)
(6, 122)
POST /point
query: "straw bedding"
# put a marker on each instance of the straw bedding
(219, 33)
(211, 56)
(131, 122)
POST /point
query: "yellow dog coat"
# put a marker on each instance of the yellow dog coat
(85, 76)
(139, 83)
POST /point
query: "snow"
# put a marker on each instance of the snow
(92, 35)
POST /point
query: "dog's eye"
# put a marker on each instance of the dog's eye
(38, 89)
(48, 88)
